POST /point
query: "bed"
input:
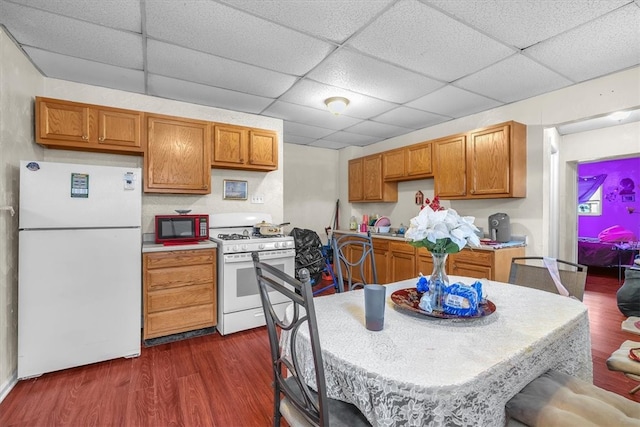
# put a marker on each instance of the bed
(595, 253)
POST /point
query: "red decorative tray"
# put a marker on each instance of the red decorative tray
(409, 299)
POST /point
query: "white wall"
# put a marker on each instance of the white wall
(19, 82)
(310, 187)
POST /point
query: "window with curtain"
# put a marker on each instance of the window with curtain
(590, 194)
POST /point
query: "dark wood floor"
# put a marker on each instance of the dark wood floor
(226, 381)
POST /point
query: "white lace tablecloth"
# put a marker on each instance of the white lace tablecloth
(421, 371)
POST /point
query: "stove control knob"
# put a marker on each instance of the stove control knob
(235, 248)
(261, 246)
(276, 245)
(245, 247)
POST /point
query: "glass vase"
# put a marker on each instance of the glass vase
(438, 280)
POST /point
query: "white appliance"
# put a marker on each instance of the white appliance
(239, 304)
(79, 265)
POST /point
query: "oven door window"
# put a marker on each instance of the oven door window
(247, 284)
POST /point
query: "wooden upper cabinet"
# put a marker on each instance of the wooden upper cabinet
(450, 167)
(263, 149)
(237, 147)
(393, 168)
(408, 163)
(177, 155)
(76, 126)
(356, 183)
(496, 161)
(366, 183)
(229, 146)
(419, 161)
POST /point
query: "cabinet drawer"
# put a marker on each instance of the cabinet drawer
(179, 276)
(380, 244)
(474, 257)
(402, 247)
(179, 258)
(185, 296)
(180, 320)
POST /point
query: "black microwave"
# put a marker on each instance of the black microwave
(179, 229)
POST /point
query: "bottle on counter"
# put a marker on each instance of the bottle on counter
(353, 223)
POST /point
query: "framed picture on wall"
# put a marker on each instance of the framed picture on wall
(234, 190)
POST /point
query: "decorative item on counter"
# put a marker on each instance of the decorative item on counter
(442, 232)
(433, 204)
(401, 229)
(419, 198)
(462, 300)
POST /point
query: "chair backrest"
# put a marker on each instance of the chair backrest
(288, 378)
(354, 261)
(531, 272)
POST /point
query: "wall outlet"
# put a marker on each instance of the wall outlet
(258, 198)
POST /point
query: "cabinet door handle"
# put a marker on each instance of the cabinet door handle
(101, 139)
(85, 137)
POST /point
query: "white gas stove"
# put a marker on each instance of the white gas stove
(239, 304)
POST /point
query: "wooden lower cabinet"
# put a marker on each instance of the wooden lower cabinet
(397, 260)
(179, 291)
(402, 261)
(490, 264)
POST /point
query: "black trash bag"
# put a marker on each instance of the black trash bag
(628, 295)
(308, 253)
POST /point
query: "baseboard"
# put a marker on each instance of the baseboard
(8, 385)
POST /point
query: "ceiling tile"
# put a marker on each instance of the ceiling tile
(379, 130)
(120, 14)
(359, 73)
(185, 64)
(614, 44)
(315, 132)
(295, 139)
(221, 30)
(313, 94)
(352, 138)
(453, 102)
(88, 72)
(513, 79)
(181, 90)
(330, 145)
(427, 41)
(309, 116)
(524, 23)
(332, 20)
(410, 118)
(47, 31)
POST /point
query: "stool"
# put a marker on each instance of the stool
(558, 399)
(620, 361)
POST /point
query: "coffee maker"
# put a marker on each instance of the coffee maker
(499, 227)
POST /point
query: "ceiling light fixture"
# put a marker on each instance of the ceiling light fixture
(619, 115)
(336, 104)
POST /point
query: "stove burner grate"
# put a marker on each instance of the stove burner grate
(234, 236)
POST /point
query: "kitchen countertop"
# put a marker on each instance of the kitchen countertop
(400, 238)
(157, 247)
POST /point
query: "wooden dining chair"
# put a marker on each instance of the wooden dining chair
(354, 262)
(294, 400)
(531, 272)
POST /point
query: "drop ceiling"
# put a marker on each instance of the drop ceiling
(404, 65)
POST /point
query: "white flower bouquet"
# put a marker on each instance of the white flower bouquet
(442, 231)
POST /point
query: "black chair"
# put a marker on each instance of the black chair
(524, 272)
(354, 261)
(293, 398)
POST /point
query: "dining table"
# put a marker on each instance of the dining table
(421, 370)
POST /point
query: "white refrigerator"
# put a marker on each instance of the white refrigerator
(79, 265)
